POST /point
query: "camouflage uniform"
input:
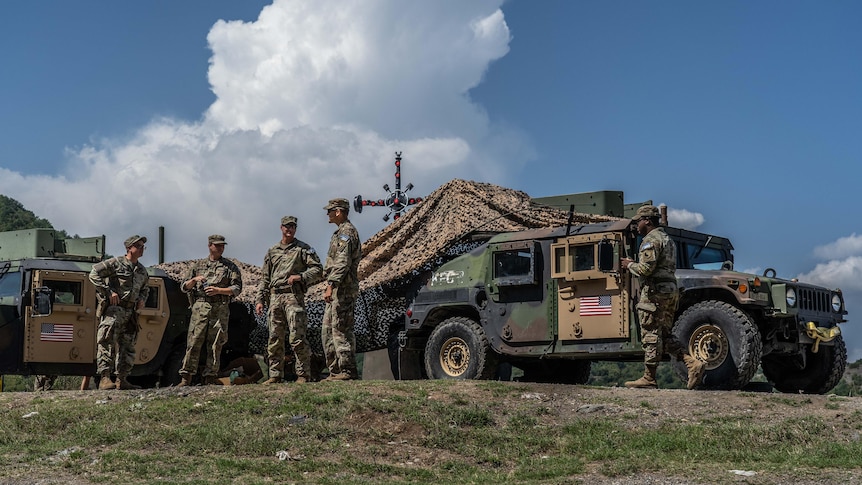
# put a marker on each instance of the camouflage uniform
(659, 296)
(342, 264)
(210, 314)
(287, 302)
(118, 328)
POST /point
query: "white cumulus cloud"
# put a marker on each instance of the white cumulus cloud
(312, 101)
(684, 219)
(846, 246)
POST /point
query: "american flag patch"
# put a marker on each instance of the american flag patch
(594, 305)
(56, 332)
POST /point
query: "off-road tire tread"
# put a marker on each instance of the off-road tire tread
(486, 359)
(749, 347)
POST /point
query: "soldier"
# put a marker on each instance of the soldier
(342, 287)
(211, 284)
(289, 268)
(121, 286)
(659, 298)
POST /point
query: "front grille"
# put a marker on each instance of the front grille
(814, 300)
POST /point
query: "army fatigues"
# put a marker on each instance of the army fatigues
(210, 314)
(118, 328)
(659, 296)
(287, 303)
(342, 264)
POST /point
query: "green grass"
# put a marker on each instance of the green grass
(388, 432)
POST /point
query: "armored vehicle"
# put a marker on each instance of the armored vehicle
(48, 317)
(550, 301)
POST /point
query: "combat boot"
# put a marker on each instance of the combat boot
(696, 368)
(647, 381)
(272, 380)
(342, 376)
(125, 385)
(186, 380)
(106, 382)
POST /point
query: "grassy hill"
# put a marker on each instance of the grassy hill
(427, 432)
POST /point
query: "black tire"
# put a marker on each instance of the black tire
(459, 349)
(725, 338)
(822, 372)
(557, 371)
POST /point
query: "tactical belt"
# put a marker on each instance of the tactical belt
(128, 305)
(213, 299)
(278, 291)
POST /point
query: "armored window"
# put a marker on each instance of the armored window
(10, 288)
(512, 263)
(515, 266)
(584, 257)
(65, 292)
(152, 298)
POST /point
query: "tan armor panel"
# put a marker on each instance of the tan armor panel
(68, 334)
(591, 304)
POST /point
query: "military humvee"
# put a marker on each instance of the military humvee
(48, 317)
(550, 301)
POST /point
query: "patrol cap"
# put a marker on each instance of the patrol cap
(132, 240)
(216, 239)
(289, 220)
(337, 204)
(646, 211)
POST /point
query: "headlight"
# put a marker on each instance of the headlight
(836, 303)
(790, 296)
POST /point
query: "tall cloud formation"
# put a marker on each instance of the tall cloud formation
(842, 268)
(312, 101)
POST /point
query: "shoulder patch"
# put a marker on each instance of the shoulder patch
(344, 237)
(647, 245)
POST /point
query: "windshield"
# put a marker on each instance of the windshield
(706, 258)
(10, 288)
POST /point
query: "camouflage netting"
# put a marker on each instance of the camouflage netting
(434, 231)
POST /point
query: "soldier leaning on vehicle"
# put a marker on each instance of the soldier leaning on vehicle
(121, 287)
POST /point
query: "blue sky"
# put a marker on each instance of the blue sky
(222, 116)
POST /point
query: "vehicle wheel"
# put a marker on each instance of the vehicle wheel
(557, 371)
(459, 349)
(725, 338)
(821, 373)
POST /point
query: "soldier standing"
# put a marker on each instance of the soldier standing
(342, 288)
(121, 286)
(289, 268)
(211, 284)
(659, 298)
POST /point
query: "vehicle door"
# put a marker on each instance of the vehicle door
(152, 320)
(516, 293)
(592, 299)
(68, 334)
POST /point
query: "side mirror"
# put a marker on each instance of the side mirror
(606, 256)
(43, 301)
